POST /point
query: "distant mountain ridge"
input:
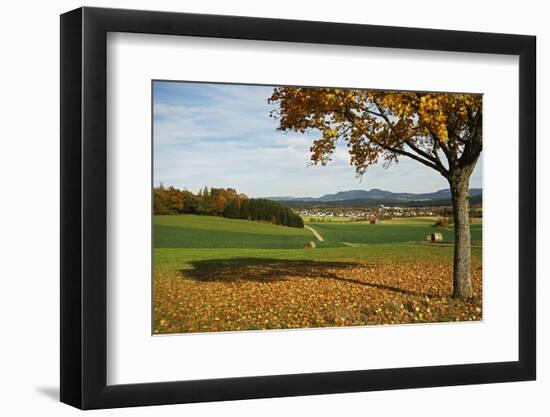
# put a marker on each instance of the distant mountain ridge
(378, 196)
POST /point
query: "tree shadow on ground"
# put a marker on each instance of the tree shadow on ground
(266, 270)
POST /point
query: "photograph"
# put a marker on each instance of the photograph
(296, 207)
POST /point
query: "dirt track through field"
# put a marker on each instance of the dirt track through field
(316, 233)
(351, 245)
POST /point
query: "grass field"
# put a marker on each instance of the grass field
(364, 233)
(191, 231)
(216, 274)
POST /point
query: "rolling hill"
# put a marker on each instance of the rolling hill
(374, 197)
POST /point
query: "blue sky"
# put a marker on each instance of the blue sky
(221, 135)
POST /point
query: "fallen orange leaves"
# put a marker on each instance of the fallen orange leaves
(274, 294)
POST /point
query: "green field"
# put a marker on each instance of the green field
(192, 231)
(181, 240)
(217, 274)
(365, 233)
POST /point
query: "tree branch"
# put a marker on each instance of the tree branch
(399, 151)
(422, 157)
(426, 155)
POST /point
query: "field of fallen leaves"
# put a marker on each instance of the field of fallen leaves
(263, 293)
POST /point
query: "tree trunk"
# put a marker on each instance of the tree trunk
(462, 282)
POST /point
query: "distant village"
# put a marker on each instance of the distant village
(373, 214)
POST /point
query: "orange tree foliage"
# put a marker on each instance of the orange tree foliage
(171, 200)
(384, 125)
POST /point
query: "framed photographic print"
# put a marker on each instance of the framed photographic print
(257, 208)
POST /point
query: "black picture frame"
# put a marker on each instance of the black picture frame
(84, 207)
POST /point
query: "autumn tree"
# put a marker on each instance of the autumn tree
(168, 200)
(440, 131)
(219, 199)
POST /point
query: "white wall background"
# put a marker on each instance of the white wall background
(29, 225)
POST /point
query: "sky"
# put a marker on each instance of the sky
(221, 135)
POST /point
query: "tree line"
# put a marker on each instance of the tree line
(226, 202)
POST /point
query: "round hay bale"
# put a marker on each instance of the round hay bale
(437, 237)
(429, 238)
(310, 245)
